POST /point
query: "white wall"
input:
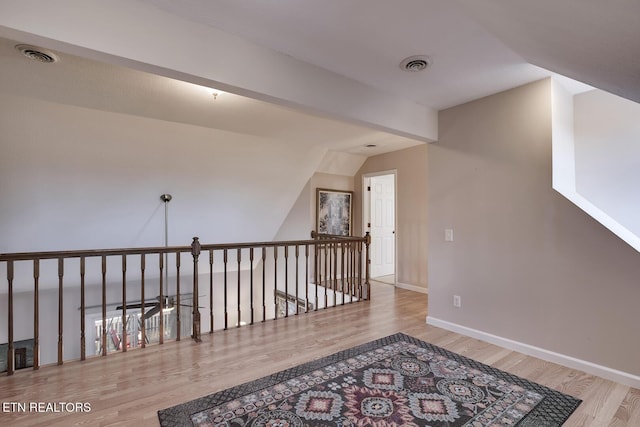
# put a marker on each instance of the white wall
(595, 157)
(73, 178)
(607, 155)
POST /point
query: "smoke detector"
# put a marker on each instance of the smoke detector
(415, 63)
(37, 53)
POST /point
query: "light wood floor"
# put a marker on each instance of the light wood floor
(128, 389)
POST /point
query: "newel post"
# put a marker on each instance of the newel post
(195, 252)
(367, 242)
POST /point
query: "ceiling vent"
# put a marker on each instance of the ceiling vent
(415, 63)
(37, 54)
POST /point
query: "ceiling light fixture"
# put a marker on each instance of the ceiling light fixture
(37, 53)
(415, 63)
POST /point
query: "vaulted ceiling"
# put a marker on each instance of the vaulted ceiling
(336, 59)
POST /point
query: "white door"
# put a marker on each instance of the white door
(383, 242)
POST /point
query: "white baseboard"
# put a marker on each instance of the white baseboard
(413, 288)
(541, 353)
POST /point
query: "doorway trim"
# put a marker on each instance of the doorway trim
(366, 211)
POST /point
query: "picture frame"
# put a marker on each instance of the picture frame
(334, 212)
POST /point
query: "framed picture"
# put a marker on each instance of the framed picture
(333, 212)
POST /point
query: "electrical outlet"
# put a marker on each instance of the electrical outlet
(457, 301)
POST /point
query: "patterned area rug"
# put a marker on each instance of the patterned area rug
(394, 381)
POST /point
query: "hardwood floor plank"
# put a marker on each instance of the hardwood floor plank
(628, 413)
(128, 389)
(602, 399)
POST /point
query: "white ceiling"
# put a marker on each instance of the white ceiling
(101, 86)
(477, 47)
(367, 39)
(593, 41)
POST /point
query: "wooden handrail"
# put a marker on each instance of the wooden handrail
(27, 256)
